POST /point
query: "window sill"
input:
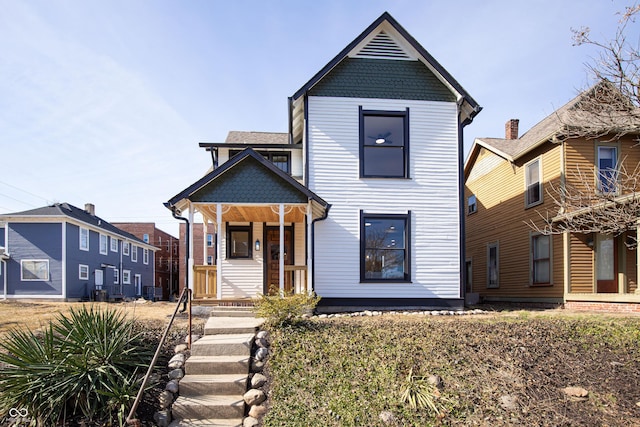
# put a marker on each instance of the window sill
(533, 205)
(384, 281)
(540, 285)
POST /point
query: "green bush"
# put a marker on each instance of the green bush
(88, 363)
(282, 308)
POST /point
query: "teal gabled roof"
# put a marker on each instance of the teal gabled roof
(247, 178)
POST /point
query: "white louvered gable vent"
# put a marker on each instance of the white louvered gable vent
(383, 46)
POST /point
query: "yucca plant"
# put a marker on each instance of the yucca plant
(86, 363)
(419, 393)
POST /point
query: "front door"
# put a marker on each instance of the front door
(272, 255)
(606, 264)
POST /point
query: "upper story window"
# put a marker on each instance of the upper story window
(134, 253)
(114, 244)
(145, 238)
(472, 204)
(384, 144)
(607, 174)
(281, 159)
(145, 256)
(533, 183)
(209, 240)
(384, 248)
(125, 248)
(104, 242)
(84, 239)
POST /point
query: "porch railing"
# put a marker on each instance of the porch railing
(295, 278)
(204, 281)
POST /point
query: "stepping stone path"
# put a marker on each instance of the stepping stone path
(211, 392)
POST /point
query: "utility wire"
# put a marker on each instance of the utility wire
(24, 191)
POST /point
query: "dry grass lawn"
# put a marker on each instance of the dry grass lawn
(33, 315)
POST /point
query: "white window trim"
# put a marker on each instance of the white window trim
(134, 253)
(469, 204)
(125, 248)
(114, 247)
(531, 261)
(597, 167)
(526, 186)
(126, 277)
(116, 276)
(105, 250)
(145, 256)
(80, 275)
(497, 284)
(98, 274)
(137, 281)
(82, 229)
(22, 279)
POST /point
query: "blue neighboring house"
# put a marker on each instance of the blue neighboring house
(67, 253)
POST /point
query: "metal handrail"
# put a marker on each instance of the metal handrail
(134, 421)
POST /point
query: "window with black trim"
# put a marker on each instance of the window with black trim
(281, 159)
(239, 241)
(384, 144)
(384, 247)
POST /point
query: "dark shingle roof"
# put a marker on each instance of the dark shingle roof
(70, 211)
(559, 124)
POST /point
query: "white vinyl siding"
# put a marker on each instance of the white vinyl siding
(242, 277)
(431, 194)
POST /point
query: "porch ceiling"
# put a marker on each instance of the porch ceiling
(248, 213)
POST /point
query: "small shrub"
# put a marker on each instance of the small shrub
(282, 308)
(88, 364)
(419, 393)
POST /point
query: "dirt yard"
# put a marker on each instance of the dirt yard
(32, 315)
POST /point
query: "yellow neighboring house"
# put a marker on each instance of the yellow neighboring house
(513, 181)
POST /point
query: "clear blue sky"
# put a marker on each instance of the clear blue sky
(106, 101)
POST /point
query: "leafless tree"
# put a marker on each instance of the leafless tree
(592, 201)
(609, 204)
(611, 107)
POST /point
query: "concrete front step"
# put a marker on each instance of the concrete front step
(198, 385)
(232, 312)
(232, 325)
(208, 406)
(223, 345)
(216, 365)
(236, 422)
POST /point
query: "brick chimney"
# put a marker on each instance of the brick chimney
(90, 208)
(511, 129)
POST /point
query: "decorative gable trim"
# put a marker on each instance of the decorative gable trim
(383, 46)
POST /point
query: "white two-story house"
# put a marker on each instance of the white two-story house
(360, 201)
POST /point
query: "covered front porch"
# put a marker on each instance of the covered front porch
(261, 222)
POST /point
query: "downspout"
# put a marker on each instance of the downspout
(313, 245)
(4, 277)
(461, 210)
(186, 238)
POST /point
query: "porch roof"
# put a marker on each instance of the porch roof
(249, 180)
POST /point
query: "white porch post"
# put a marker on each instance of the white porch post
(190, 243)
(281, 254)
(204, 240)
(218, 251)
(309, 249)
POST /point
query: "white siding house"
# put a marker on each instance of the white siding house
(360, 201)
